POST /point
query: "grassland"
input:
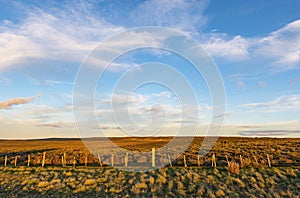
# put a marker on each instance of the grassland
(165, 182)
(282, 152)
(250, 178)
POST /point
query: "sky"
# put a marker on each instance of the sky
(254, 44)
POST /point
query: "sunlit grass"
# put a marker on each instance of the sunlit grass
(185, 182)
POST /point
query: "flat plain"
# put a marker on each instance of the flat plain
(247, 167)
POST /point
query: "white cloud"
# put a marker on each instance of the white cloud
(123, 42)
(163, 94)
(141, 107)
(34, 116)
(55, 82)
(117, 67)
(219, 45)
(283, 45)
(124, 99)
(67, 34)
(15, 48)
(70, 33)
(280, 104)
(180, 14)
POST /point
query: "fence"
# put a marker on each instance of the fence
(127, 160)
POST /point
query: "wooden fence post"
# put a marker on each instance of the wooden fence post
(255, 159)
(62, 161)
(86, 161)
(74, 162)
(65, 159)
(126, 159)
(153, 157)
(16, 158)
(269, 161)
(28, 161)
(43, 161)
(184, 161)
(5, 161)
(213, 161)
(241, 159)
(228, 164)
(99, 160)
(198, 160)
(170, 162)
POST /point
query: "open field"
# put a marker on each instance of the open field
(165, 182)
(248, 175)
(254, 151)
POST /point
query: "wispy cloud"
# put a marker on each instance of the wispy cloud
(283, 46)
(238, 48)
(244, 77)
(109, 127)
(163, 94)
(268, 132)
(5, 81)
(54, 125)
(14, 101)
(180, 14)
(248, 126)
(219, 45)
(55, 82)
(280, 104)
(155, 109)
(118, 67)
(53, 34)
(222, 115)
(124, 99)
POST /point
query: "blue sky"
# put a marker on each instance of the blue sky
(255, 45)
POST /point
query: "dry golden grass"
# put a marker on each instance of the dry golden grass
(282, 152)
(105, 182)
(234, 168)
(247, 175)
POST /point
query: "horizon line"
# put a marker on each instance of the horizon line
(105, 137)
